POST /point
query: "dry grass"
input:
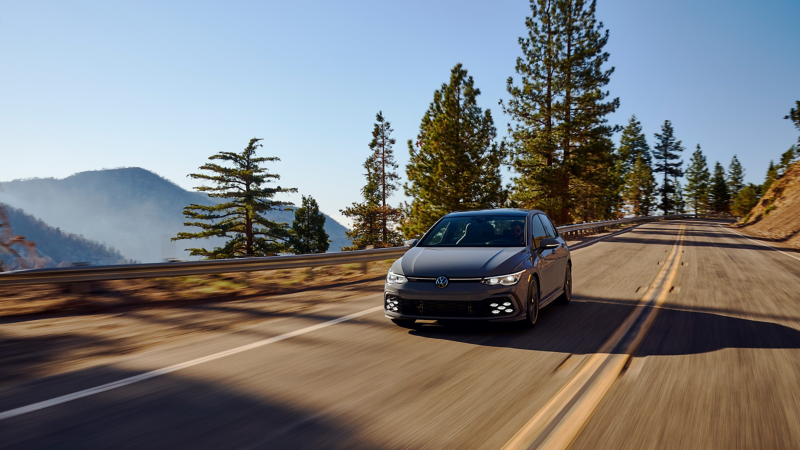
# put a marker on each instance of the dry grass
(161, 292)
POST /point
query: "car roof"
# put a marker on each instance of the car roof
(494, 212)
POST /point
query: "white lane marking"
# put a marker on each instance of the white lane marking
(760, 243)
(158, 372)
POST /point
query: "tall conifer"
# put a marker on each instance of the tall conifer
(697, 179)
(385, 176)
(748, 198)
(735, 178)
(560, 137)
(794, 116)
(374, 220)
(455, 162)
(787, 159)
(667, 156)
(772, 175)
(632, 145)
(240, 217)
(308, 233)
(720, 198)
(640, 187)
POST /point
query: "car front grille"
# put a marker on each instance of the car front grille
(440, 308)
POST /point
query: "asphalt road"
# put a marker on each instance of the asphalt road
(717, 366)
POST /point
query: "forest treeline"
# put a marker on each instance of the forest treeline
(558, 147)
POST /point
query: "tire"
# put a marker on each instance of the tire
(532, 306)
(566, 296)
(405, 323)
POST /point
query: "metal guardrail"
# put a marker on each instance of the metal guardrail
(588, 226)
(159, 270)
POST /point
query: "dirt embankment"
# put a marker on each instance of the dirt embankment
(776, 217)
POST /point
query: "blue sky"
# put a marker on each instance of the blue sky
(88, 85)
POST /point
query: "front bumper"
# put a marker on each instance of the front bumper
(458, 301)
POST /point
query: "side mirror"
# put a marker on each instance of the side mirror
(411, 242)
(549, 244)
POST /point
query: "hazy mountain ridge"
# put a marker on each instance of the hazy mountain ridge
(131, 209)
(55, 247)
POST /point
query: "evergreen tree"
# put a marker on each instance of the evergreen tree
(640, 187)
(632, 145)
(772, 175)
(746, 199)
(720, 199)
(677, 198)
(794, 116)
(560, 139)
(240, 217)
(667, 154)
(386, 179)
(374, 220)
(735, 178)
(455, 163)
(697, 179)
(787, 159)
(308, 233)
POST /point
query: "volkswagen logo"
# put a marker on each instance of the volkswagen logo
(441, 282)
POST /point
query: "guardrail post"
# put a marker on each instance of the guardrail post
(365, 264)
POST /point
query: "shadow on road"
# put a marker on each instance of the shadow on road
(169, 412)
(586, 323)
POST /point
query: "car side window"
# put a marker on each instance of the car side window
(548, 227)
(537, 231)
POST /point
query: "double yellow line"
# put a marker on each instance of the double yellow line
(558, 424)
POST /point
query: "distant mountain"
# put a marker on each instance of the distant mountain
(55, 247)
(131, 209)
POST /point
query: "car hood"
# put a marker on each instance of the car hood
(460, 262)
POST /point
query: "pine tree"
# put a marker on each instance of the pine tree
(735, 178)
(794, 116)
(633, 144)
(787, 159)
(772, 175)
(640, 187)
(240, 217)
(455, 163)
(667, 152)
(746, 199)
(308, 233)
(374, 220)
(560, 138)
(697, 179)
(677, 198)
(720, 199)
(386, 179)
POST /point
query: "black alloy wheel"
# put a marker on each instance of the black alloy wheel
(566, 296)
(532, 308)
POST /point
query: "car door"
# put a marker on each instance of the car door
(547, 271)
(560, 254)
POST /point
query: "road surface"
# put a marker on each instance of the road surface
(707, 322)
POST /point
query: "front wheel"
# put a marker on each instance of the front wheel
(567, 295)
(532, 308)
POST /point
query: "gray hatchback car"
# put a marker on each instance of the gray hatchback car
(498, 265)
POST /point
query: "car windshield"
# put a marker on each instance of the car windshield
(477, 231)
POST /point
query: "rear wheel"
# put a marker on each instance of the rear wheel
(532, 308)
(566, 296)
(405, 323)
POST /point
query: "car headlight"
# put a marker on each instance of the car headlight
(393, 278)
(505, 280)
